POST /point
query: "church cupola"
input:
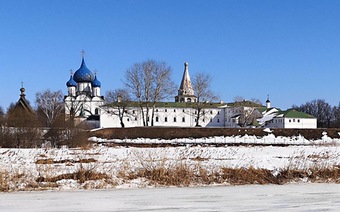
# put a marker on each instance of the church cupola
(96, 85)
(83, 77)
(71, 85)
(83, 74)
(186, 92)
(268, 102)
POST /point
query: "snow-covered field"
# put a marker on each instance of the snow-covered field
(51, 162)
(289, 197)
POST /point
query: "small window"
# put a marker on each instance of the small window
(183, 110)
(293, 120)
(183, 119)
(128, 119)
(136, 119)
(175, 110)
(175, 120)
(96, 111)
(203, 120)
(218, 120)
(166, 110)
(298, 120)
(218, 112)
(157, 119)
(290, 120)
(166, 119)
(156, 110)
(211, 120)
(211, 112)
(133, 111)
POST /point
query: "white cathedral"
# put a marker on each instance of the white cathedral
(85, 103)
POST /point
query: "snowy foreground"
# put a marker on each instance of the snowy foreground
(50, 162)
(25, 166)
(289, 197)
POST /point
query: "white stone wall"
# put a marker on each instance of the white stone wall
(164, 116)
(306, 123)
(299, 123)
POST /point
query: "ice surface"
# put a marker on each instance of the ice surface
(290, 197)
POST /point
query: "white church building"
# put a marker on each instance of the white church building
(85, 103)
(83, 100)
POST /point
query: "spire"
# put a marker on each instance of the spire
(83, 53)
(186, 86)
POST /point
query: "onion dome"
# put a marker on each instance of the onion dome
(71, 82)
(96, 82)
(83, 74)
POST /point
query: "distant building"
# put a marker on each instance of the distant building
(22, 113)
(275, 118)
(83, 101)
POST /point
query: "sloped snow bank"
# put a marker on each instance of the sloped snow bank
(269, 139)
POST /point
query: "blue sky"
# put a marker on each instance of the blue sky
(287, 49)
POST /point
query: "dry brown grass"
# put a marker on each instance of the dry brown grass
(4, 181)
(82, 175)
(51, 161)
(251, 175)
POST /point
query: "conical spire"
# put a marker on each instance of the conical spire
(186, 86)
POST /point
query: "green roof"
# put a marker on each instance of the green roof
(168, 104)
(291, 113)
(244, 104)
(261, 109)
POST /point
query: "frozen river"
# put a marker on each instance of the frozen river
(296, 197)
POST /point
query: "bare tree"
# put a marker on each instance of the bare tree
(73, 108)
(119, 100)
(239, 99)
(257, 101)
(149, 82)
(320, 109)
(50, 103)
(201, 85)
(248, 116)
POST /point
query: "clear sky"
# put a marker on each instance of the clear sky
(288, 49)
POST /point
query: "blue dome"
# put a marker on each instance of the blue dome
(83, 74)
(71, 82)
(95, 82)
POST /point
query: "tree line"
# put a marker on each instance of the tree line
(327, 116)
(46, 124)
